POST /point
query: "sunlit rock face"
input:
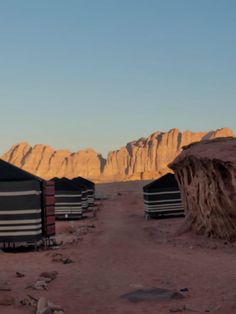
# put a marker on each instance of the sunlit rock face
(206, 173)
(146, 158)
(45, 162)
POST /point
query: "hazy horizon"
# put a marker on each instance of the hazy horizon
(99, 74)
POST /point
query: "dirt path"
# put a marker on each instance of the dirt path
(124, 253)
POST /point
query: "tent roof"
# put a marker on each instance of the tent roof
(83, 181)
(166, 181)
(64, 184)
(9, 172)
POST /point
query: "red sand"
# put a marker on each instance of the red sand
(124, 253)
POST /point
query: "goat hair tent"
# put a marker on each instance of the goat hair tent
(162, 197)
(90, 189)
(85, 196)
(26, 206)
(68, 199)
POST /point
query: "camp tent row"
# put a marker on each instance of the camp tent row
(162, 197)
(27, 204)
(73, 197)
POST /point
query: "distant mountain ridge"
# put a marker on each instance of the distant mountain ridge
(146, 158)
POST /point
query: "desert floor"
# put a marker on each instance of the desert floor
(117, 252)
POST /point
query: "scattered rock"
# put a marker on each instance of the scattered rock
(42, 307)
(29, 301)
(40, 285)
(91, 226)
(45, 306)
(157, 294)
(19, 275)
(177, 309)
(67, 261)
(184, 290)
(58, 257)
(49, 275)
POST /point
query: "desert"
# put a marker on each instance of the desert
(117, 157)
(118, 252)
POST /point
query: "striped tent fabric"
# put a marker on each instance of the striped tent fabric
(21, 206)
(90, 188)
(68, 203)
(162, 197)
(85, 194)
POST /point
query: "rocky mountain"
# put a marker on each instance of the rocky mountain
(146, 158)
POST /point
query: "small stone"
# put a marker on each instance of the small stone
(67, 261)
(184, 290)
(42, 307)
(50, 275)
(40, 285)
(29, 301)
(176, 310)
(54, 307)
(19, 275)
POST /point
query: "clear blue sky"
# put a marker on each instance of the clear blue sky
(99, 73)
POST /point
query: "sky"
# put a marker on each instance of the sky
(86, 73)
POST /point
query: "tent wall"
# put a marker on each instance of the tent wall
(68, 204)
(20, 211)
(162, 197)
(163, 202)
(89, 188)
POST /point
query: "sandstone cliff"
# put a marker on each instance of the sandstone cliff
(146, 158)
(206, 173)
(47, 163)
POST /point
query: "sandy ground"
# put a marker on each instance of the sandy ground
(118, 252)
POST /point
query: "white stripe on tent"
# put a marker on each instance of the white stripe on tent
(68, 195)
(20, 193)
(20, 222)
(34, 227)
(18, 212)
(65, 207)
(68, 211)
(20, 233)
(159, 193)
(163, 201)
(166, 210)
(166, 205)
(57, 204)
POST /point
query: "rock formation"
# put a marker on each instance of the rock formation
(146, 158)
(47, 163)
(206, 173)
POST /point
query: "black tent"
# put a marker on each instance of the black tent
(90, 189)
(85, 201)
(162, 197)
(26, 206)
(68, 199)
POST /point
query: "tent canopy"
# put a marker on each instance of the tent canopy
(83, 181)
(64, 184)
(9, 172)
(167, 181)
